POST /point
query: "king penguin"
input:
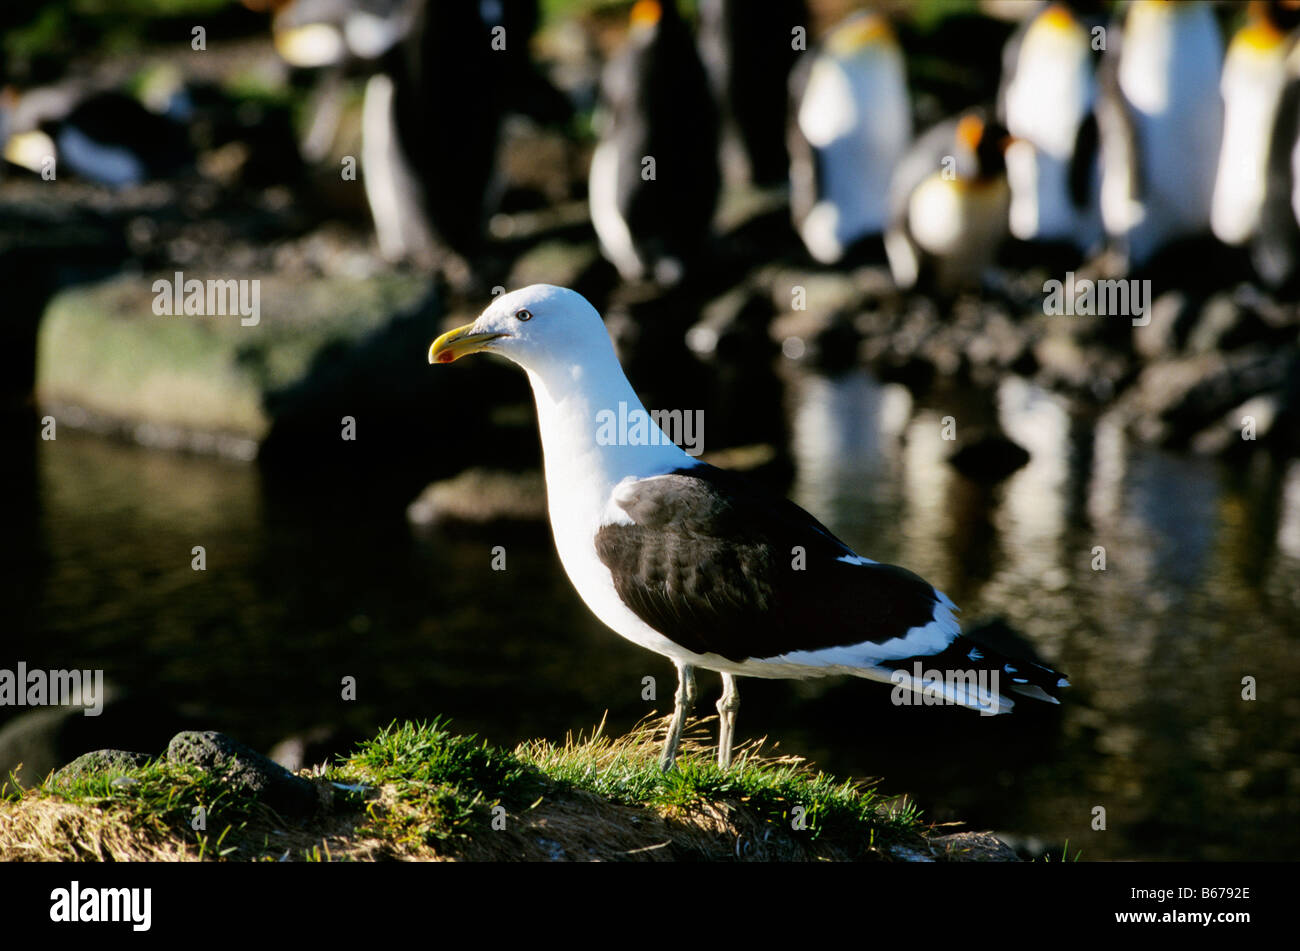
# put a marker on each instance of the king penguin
(1254, 74)
(99, 135)
(442, 75)
(1161, 121)
(654, 178)
(1046, 102)
(851, 125)
(1275, 248)
(949, 202)
(749, 48)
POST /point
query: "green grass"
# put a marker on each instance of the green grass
(155, 801)
(418, 790)
(446, 786)
(780, 791)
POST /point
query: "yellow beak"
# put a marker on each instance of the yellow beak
(455, 344)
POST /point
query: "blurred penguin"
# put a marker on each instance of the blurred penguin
(1254, 74)
(748, 49)
(852, 124)
(345, 37)
(1161, 122)
(654, 177)
(949, 202)
(1046, 102)
(444, 72)
(101, 136)
(1275, 247)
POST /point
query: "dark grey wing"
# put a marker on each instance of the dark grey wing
(719, 566)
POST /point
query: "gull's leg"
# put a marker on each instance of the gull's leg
(682, 704)
(728, 704)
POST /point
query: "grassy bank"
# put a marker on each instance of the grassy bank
(419, 791)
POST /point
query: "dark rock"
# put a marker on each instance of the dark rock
(244, 767)
(1231, 433)
(733, 329)
(1172, 314)
(972, 847)
(100, 761)
(480, 497)
(1223, 324)
(1175, 399)
(1094, 373)
(1000, 342)
(987, 457)
(44, 739)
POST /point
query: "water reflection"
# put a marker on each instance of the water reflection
(1201, 588)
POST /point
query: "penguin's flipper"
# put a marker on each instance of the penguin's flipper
(1010, 61)
(1275, 252)
(805, 175)
(1083, 160)
(1117, 126)
(907, 261)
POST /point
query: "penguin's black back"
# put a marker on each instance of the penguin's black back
(659, 96)
(450, 92)
(117, 120)
(752, 41)
(1275, 250)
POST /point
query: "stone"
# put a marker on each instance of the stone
(100, 761)
(245, 768)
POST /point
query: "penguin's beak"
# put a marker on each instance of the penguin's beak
(457, 343)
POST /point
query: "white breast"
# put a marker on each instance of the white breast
(1047, 99)
(856, 116)
(1169, 74)
(1252, 85)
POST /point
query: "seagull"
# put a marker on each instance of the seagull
(704, 567)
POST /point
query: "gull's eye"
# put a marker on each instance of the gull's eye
(523, 315)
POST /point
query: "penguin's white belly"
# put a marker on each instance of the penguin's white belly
(855, 116)
(1051, 94)
(611, 229)
(1169, 74)
(1252, 86)
(392, 190)
(1048, 99)
(948, 217)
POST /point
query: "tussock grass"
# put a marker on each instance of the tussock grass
(420, 791)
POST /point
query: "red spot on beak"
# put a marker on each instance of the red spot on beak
(445, 357)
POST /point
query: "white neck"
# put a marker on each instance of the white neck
(577, 464)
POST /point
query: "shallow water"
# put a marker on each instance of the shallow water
(1201, 588)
